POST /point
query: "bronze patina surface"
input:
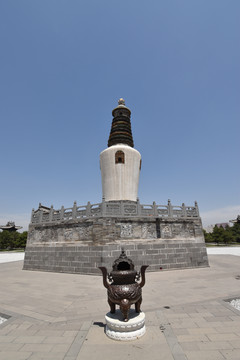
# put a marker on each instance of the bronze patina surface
(124, 285)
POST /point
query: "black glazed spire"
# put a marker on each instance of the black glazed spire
(121, 132)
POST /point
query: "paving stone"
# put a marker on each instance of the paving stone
(47, 332)
(29, 339)
(206, 355)
(177, 316)
(14, 355)
(140, 349)
(181, 331)
(5, 330)
(86, 325)
(70, 333)
(171, 339)
(24, 326)
(47, 356)
(58, 340)
(10, 347)
(183, 324)
(77, 344)
(235, 344)
(227, 330)
(218, 318)
(29, 332)
(199, 315)
(60, 348)
(206, 331)
(231, 354)
(192, 345)
(214, 345)
(209, 324)
(7, 339)
(223, 337)
(37, 347)
(194, 337)
(235, 318)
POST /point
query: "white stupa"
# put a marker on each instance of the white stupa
(120, 163)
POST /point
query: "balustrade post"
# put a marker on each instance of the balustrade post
(51, 214)
(32, 215)
(197, 209)
(74, 210)
(155, 213)
(40, 216)
(184, 212)
(138, 207)
(170, 210)
(62, 213)
(88, 209)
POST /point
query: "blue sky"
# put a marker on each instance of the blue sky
(64, 65)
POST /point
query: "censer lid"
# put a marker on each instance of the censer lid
(123, 263)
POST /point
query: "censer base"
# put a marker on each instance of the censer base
(120, 330)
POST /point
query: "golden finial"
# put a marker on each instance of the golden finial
(121, 101)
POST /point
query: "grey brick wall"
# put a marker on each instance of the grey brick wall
(81, 259)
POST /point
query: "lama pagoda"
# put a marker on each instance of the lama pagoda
(84, 237)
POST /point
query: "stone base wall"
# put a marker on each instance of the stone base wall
(159, 255)
(82, 246)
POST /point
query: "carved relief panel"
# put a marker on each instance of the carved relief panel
(166, 231)
(126, 230)
(149, 231)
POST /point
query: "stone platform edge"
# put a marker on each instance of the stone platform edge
(85, 259)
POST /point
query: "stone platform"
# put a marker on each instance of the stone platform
(80, 239)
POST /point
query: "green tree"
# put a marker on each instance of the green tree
(12, 240)
(235, 230)
(5, 240)
(228, 237)
(217, 234)
(22, 240)
(207, 236)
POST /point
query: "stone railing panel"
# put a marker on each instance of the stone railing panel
(56, 216)
(130, 210)
(95, 210)
(146, 210)
(45, 217)
(191, 211)
(113, 208)
(162, 210)
(68, 214)
(177, 211)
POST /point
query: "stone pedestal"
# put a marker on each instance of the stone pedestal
(117, 329)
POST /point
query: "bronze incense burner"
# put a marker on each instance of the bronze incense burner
(124, 285)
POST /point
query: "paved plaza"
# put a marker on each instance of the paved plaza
(61, 316)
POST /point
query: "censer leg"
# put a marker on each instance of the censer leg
(112, 306)
(138, 305)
